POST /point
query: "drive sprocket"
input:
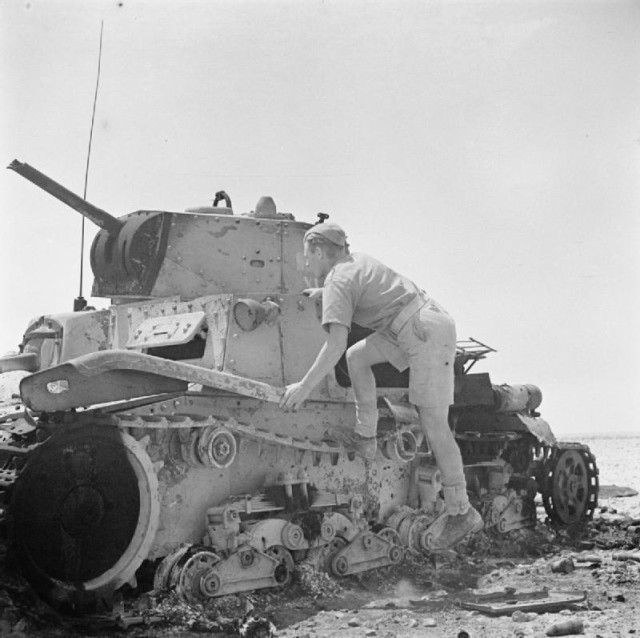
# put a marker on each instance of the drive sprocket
(570, 484)
(83, 514)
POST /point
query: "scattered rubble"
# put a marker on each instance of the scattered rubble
(522, 585)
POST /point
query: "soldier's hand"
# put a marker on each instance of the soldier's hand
(312, 293)
(294, 396)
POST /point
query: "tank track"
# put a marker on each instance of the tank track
(21, 434)
(255, 541)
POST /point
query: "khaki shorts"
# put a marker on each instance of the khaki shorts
(426, 345)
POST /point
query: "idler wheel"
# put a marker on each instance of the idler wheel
(219, 447)
(571, 486)
(327, 531)
(83, 514)
(292, 536)
(197, 582)
(340, 565)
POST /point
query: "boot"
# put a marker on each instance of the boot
(450, 529)
(363, 446)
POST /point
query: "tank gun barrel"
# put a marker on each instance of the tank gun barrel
(98, 216)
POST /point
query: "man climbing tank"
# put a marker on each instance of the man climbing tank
(411, 330)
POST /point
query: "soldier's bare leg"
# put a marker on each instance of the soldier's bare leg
(435, 424)
(361, 357)
(460, 518)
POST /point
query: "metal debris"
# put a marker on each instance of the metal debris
(505, 602)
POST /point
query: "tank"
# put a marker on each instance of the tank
(150, 431)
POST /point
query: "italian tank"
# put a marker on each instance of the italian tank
(150, 431)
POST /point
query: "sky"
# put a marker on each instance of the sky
(488, 150)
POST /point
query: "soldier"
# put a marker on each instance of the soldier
(410, 330)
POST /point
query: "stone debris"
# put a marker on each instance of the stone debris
(566, 628)
(521, 616)
(257, 628)
(317, 583)
(563, 566)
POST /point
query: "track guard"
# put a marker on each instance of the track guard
(114, 375)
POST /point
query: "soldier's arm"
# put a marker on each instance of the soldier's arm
(329, 355)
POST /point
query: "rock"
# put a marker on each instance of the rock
(353, 623)
(520, 616)
(563, 566)
(255, 627)
(618, 597)
(429, 622)
(566, 628)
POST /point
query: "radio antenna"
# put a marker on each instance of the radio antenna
(80, 303)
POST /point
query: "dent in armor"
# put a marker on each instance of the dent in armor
(155, 434)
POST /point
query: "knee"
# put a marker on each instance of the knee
(355, 358)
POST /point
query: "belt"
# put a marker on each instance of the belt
(407, 312)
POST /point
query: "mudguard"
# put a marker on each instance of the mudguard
(115, 375)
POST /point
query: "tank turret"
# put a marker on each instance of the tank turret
(202, 251)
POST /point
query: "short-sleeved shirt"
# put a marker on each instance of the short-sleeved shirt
(362, 290)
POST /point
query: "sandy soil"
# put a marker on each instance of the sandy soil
(425, 596)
